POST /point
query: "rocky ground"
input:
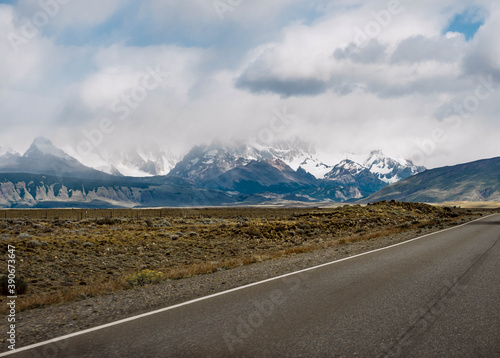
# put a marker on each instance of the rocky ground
(83, 273)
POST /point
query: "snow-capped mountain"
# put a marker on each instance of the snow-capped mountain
(346, 171)
(290, 170)
(146, 161)
(210, 161)
(352, 173)
(207, 161)
(297, 154)
(391, 170)
(143, 161)
(204, 163)
(382, 167)
(42, 148)
(140, 161)
(6, 150)
(288, 167)
(43, 157)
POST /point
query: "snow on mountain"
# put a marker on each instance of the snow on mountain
(322, 165)
(474, 181)
(206, 162)
(8, 157)
(141, 161)
(291, 170)
(42, 147)
(349, 172)
(6, 150)
(390, 170)
(345, 171)
(209, 161)
(296, 153)
(43, 157)
(314, 167)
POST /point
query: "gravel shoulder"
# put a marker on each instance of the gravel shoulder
(37, 325)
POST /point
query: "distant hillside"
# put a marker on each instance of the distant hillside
(43, 191)
(43, 157)
(261, 176)
(476, 181)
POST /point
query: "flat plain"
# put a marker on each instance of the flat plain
(68, 255)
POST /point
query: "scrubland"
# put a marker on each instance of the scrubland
(67, 255)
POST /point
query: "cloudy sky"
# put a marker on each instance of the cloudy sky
(419, 79)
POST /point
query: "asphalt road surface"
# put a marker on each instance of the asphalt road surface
(436, 296)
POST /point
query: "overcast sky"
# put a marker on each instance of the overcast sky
(419, 79)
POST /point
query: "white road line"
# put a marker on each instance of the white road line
(133, 318)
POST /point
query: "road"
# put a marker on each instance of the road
(436, 296)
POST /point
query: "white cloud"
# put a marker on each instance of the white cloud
(120, 69)
(226, 77)
(344, 53)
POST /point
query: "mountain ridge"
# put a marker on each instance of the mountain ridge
(212, 174)
(151, 160)
(472, 181)
(42, 157)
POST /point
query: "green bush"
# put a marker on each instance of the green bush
(144, 277)
(21, 286)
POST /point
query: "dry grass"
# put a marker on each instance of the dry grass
(381, 233)
(70, 259)
(71, 294)
(471, 204)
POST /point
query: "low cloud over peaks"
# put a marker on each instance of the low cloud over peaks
(357, 75)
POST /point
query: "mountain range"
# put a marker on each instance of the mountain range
(289, 168)
(215, 159)
(140, 161)
(217, 174)
(475, 181)
(214, 174)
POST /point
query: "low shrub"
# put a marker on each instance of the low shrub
(144, 277)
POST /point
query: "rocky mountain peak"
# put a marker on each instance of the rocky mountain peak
(43, 147)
